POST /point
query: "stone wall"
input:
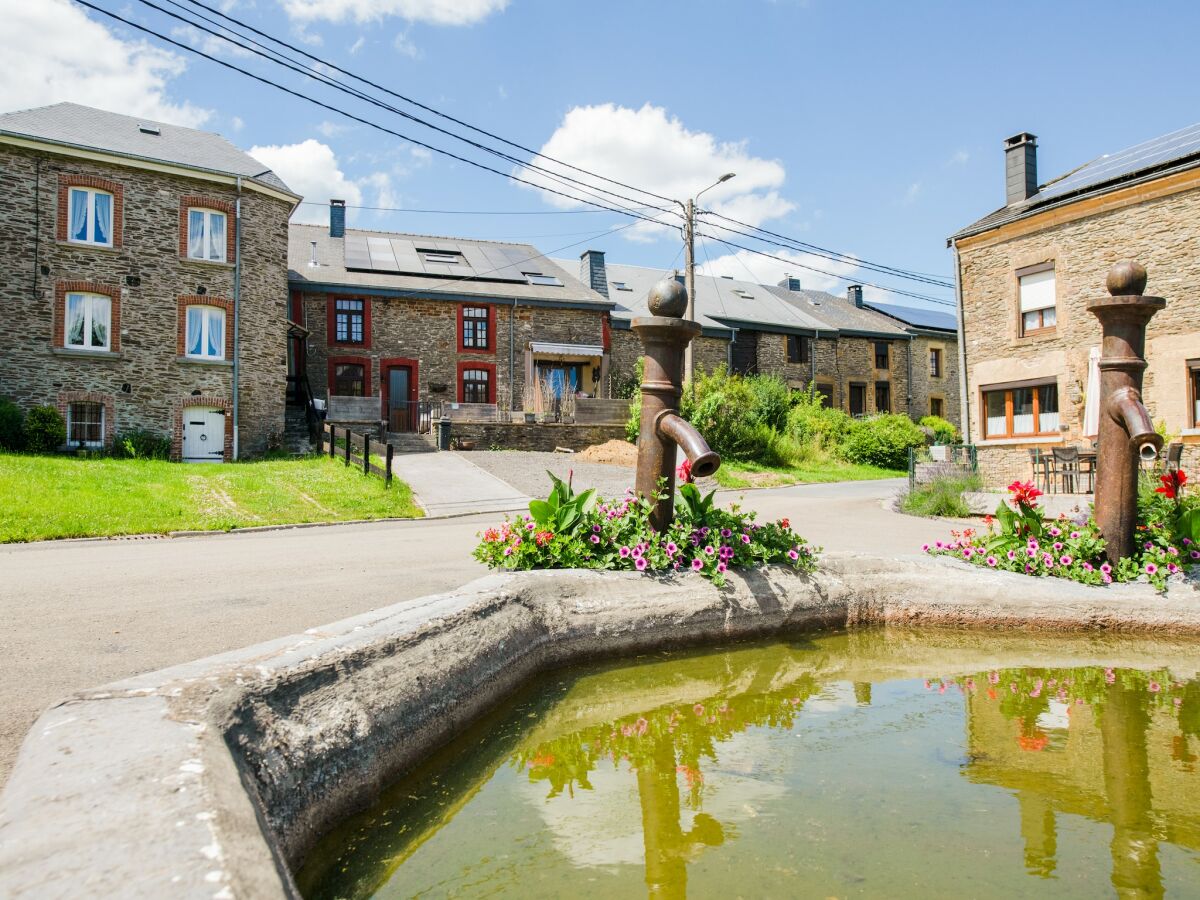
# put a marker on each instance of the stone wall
(944, 387)
(145, 381)
(534, 437)
(1156, 224)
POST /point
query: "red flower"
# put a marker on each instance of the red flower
(784, 523)
(684, 472)
(1025, 493)
(543, 537)
(1172, 484)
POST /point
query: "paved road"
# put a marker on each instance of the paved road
(447, 484)
(78, 614)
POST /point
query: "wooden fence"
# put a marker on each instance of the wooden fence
(356, 449)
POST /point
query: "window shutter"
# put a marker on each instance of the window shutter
(1037, 291)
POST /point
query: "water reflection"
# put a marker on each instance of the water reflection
(766, 768)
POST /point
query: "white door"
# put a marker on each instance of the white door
(203, 434)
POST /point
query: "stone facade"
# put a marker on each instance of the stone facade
(143, 381)
(1157, 224)
(543, 437)
(928, 385)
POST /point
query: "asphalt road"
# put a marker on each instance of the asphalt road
(78, 614)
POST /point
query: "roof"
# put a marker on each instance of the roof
(1174, 152)
(84, 127)
(467, 281)
(839, 313)
(917, 317)
(722, 304)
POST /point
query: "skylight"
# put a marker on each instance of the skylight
(539, 278)
(621, 286)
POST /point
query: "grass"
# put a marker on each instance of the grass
(941, 497)
(49, 497)
(747, 474)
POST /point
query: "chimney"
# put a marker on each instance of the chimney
(337, 218)
(592, 271)
(791, 282)
(854, 295)
(1020, 167)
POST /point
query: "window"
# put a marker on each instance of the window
(937, 407)
(205, 332)
(881, 354)
(449, 257)
(349, 380)
(90, 217)
(858, 399)
(89, 317)
(798, 349)
(1194, 386)
(349, 319)
(883, 397)
(476, 386)
(85, 425)
(206, 235)
(826, 393)
(1037, 293)
(621, 286)
(475, 321)
(539, 278)
(935, 363)
(1027, 411)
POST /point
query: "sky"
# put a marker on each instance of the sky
(873, 129)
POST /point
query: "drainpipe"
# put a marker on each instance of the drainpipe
(512, 385)
(908, 387)
(237, 307)
(812, 359)
(964, 408)
(729, 352)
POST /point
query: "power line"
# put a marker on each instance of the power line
(472, 212)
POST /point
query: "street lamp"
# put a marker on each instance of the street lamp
(689, 244)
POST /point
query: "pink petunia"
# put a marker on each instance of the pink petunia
(697, 565)
(640, 565)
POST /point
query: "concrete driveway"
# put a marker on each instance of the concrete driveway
(78, 614)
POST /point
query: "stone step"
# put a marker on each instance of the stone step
(410, 442)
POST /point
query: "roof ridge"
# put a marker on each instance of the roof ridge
(437, 237)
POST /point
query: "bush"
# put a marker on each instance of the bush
(811, 423)
(633, 424)
(944, 431)
(12, 426)
(883, 441)
(45, 430)
(772, 400)
(941, 497)
(141, 444)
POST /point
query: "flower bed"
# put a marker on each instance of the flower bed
(1018, 538)
(582, 531)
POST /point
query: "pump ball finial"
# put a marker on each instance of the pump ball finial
(1127, 278)
(668, 298)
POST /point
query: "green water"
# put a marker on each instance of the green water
(873, 764)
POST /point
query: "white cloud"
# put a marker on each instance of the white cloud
(357, 45)
(913, 192)
(41, 42)
(207, 43)
(311, 169)
(650, 149)
(236, 123)
(433, 12)
(959, 158)
(332, 129)
(752, 267)
(405, 47)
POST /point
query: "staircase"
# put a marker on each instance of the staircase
(411, 442)
(295, 431)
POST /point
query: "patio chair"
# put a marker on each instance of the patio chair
(1040, 463)
(1066, 464)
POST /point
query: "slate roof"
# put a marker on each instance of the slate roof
(840, 314)
(917, 317)
(1165, 155)
(84, 127)
(331, 272)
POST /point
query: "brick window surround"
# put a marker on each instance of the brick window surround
(66, 398)
(490, 349)
(194, 201)
(364, 361)
(66, 182)
(191, 400)
(331, 323)
(62, 288)
(490, 368)
(198, 300)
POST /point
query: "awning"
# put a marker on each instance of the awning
(543, 348)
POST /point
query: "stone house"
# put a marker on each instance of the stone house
(934, 372)
(394, 323)
(143, 281)
(1027, 272)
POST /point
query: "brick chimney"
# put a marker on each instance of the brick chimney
(592, 271)
(337, 218)
(791, 282)
(854, 295)
(1020, 167)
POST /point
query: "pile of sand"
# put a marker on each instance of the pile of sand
(612, 453)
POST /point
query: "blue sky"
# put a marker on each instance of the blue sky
(874, 129)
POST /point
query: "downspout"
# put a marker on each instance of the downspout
(812, 359)
(512, 384)
(964, 408)
(237, 308)
(908, 387)
(37, 223)
(729, 351)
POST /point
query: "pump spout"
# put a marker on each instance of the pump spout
(704, 460)
(1125, 405)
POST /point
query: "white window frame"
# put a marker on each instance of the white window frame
(205, 331)
(86, 445)
(206, 230)
(88, 300)
(1037, 293)
(90, 216)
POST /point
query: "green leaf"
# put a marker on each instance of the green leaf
(1189, 525)
(541, 511)
(1006, 517)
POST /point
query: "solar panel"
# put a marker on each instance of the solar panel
(921, 318)
(382, 257)
(404, 256)
(356, 254)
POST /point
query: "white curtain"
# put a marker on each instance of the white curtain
(79, 207)
(75, 316)
(102, 218)
(1091, 408)
(101, 310)
(196, 234)
(216, 333)
(216, 236)
(195, 331)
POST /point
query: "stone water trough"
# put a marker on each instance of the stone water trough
(214, 779)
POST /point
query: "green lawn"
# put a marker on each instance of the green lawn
(56, 497)
(746, 474)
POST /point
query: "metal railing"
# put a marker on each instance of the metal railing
(415, 416)
(926, 464)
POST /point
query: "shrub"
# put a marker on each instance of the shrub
(634, 423)
(941, 497)
(141, 444)
(12, 426)
(809, 422)
(45, 430)
(772, 400)
(944, 431)
(883, 441)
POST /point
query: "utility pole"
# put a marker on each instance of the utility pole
(689, 261)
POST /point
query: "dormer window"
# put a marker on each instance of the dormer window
(90, 217)
(206, 237)
(539, 278)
